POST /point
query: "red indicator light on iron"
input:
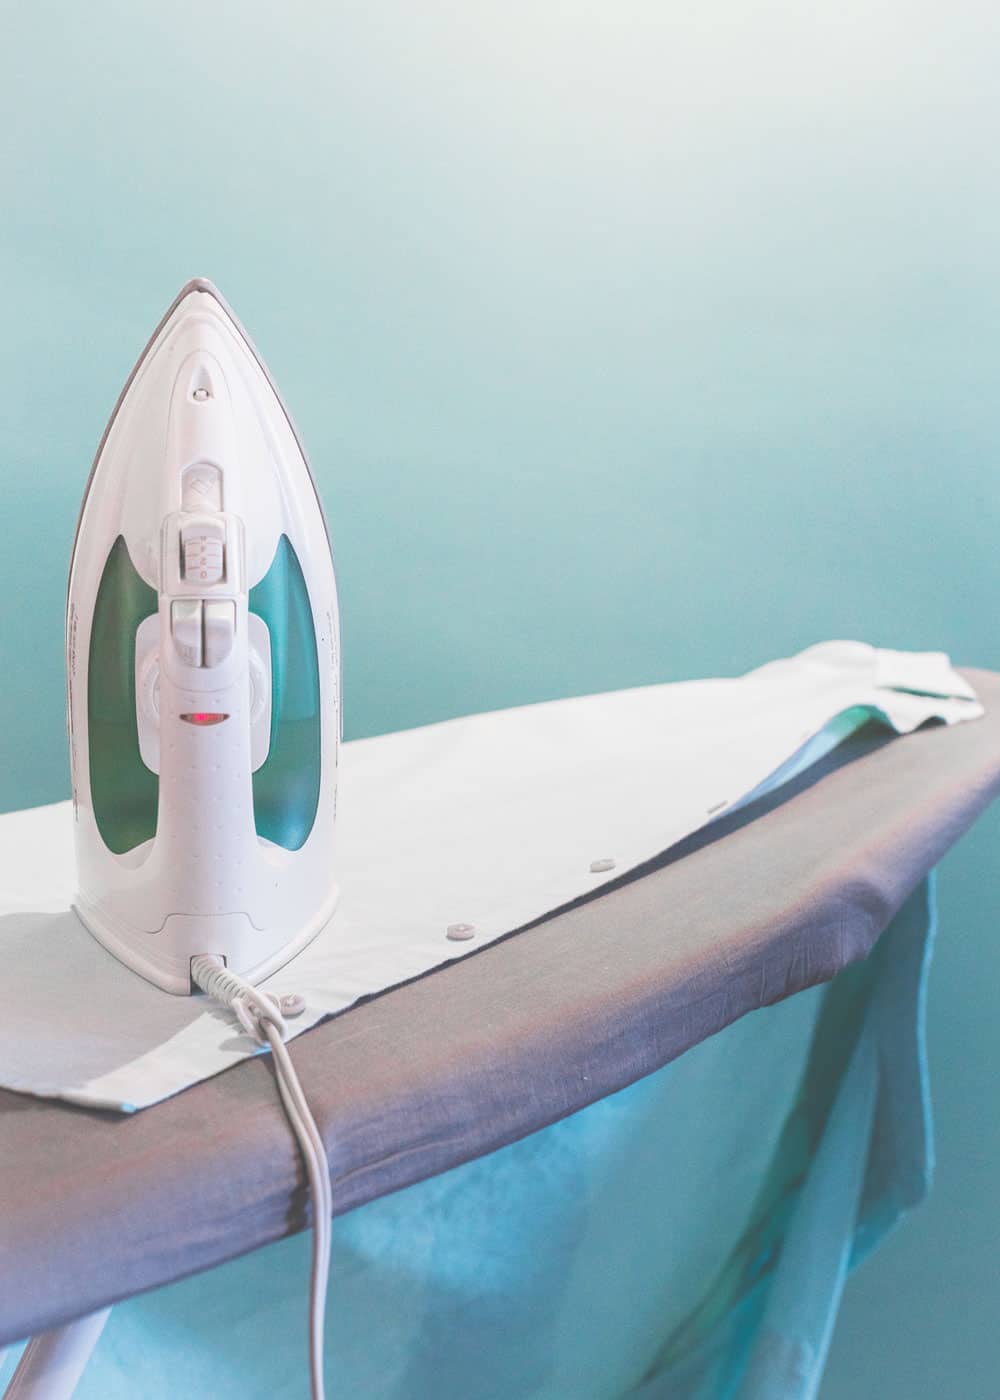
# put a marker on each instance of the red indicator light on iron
(203, 717)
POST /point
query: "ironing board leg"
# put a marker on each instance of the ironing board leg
(54, 1361)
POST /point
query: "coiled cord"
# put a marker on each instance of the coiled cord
(259, 1013)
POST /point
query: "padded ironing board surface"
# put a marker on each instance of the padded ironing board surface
(95, 1207)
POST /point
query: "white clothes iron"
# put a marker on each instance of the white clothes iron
(203, 665)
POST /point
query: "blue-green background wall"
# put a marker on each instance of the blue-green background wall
(630, 341)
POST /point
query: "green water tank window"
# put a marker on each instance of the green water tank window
(123, 790)
(286, 786)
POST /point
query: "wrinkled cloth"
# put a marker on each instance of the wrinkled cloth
(495, 821)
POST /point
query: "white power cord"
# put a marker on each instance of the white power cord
(260, 1015)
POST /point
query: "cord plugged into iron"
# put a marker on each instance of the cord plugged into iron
(262, 1016)
(252, 1008)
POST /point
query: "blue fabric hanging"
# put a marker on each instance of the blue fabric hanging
(686, 1238)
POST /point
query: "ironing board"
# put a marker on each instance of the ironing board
(780, 897)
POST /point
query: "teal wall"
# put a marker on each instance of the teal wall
(630, 341)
